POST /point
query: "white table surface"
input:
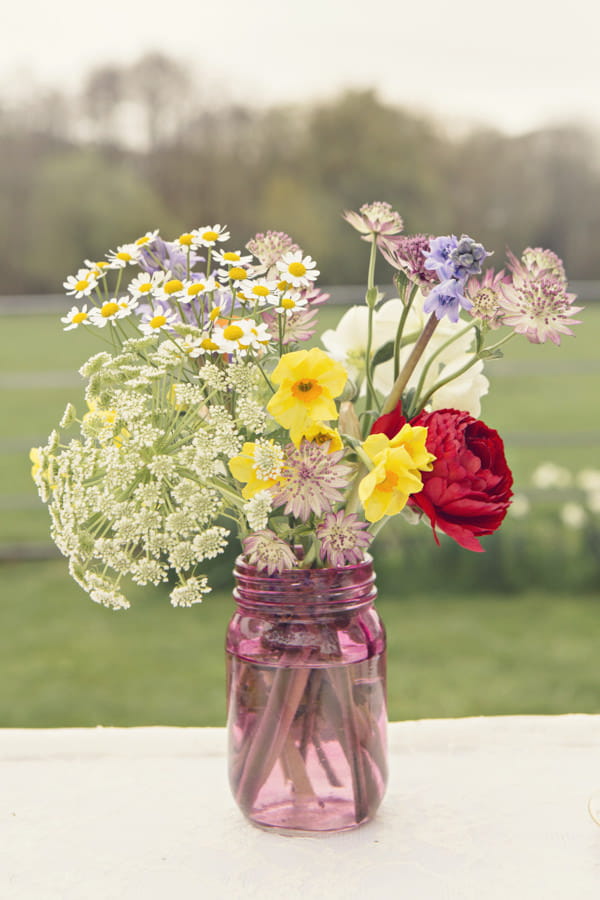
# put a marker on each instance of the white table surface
(487, 808)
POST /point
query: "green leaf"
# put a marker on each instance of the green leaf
(385, 352)
(491, 354)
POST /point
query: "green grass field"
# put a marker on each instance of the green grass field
(66, 662)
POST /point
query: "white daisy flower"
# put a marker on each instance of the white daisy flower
(188, 240)
(97, 268)
(228, 337)
(126, 306)
(234, 273)
(110, 311)
(75, 317)
(232, 258)
(144, 284)
(256, 335)
(290, 303)
(259, 290)
(298, 270)
(162, 321)
(80, 285)
(193, 289)
(170, 289)
(208, 236)
(146, 238)
(125, 255)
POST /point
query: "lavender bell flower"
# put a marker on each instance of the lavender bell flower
(467, 258)
(446, 299)
(438, 258)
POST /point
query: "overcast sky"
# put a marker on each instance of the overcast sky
(515, 64)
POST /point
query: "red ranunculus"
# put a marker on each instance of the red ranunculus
(468, 491)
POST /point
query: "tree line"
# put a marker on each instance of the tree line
(145, 146)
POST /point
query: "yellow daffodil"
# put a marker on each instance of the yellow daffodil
(396, 472)
(308, 381)
(319, 433)
(259, 465)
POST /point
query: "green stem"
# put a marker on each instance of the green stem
(435, 355)
(395, 396)
(401, 324)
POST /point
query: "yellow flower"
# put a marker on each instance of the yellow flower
(36, 458)
(396, 473)
(259, 465)
(308, 382)
(108, 416)
(319, 433)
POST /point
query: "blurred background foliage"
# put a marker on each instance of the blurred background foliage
(144, 142)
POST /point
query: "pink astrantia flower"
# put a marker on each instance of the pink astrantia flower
(343, 538)
(488, 294)
(536, 263)
(310, 480)
(269, 248)
(375, 219)
(540, 309)
(268, 552)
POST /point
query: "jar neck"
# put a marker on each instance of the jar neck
(301, 591)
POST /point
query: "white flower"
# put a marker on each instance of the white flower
(347, 343)
(75, 317)
(231, 258)
(258, 290)
(80, 285)
(194, 289)
(257, 510)
(126, 306)
(125, 255)
(158, 322)
(146, 238)
(519, 506)
(290, 303)
(208, 236)
(588, 480)
(573, 515)
(110, 311)
(297, 270)
(256, 335)
(144, 284)
(191, 591)
(549, 475)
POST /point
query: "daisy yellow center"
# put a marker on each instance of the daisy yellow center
(172, 286)
(260, 290)
(79, 317)
(157, 321)
(283, 286)
(100, 265)
(306, 390)
(231, 256)
(81, 285)
(236, 272)
(186, 239)
(123, 304)
(297, 269)
(195, 288)
(123, 255)
(210, 235)
(109, 309)
(207, 344)
(389, 482)
(145, 287)
(143, 240)
(233, 333)
(214, 313)
(288, 303)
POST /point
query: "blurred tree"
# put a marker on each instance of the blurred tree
(82, 205)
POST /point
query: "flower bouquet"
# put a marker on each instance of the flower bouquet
(207, 415)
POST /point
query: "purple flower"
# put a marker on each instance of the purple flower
(310, 480)
(467, 257)
(408, 254)
(438, 258)
(165, 256)
(343, 538)
(446, 299)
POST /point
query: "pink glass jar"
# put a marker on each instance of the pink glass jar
(306, 694)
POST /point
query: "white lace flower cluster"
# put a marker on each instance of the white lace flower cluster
(140, 490)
